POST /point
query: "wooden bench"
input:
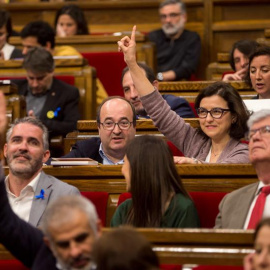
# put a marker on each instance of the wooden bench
(192, 246)
(88, 128)
(103, 43)
(16, 106)
(190, 90)
(203, 178)
(84, 80)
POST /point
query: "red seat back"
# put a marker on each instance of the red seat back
(207, 206)
(109, 66)
(12, 265)
(219, 267)
(174, 149)
(100, 200)
(192, 105)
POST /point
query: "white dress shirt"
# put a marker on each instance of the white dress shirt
(22, 205)
(266, 210)
(7, 51)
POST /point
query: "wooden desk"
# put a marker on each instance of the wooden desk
(103, 43)
(192, 246)
(190, 90)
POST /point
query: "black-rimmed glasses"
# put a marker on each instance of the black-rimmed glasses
(215, 112)
(262, 130)
(110, 125)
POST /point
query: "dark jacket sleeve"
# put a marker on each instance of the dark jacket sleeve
(67, 100)
(180, 106)
(20, 238)
(86, 149)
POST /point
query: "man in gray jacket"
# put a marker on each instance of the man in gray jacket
(29, 188)
(236, 208)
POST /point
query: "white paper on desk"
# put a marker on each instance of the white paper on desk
(254, 105)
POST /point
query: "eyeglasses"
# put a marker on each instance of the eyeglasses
(170, 15)
(110, 125)
(263, 131)
(215, 112)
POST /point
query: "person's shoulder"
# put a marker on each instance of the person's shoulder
(89, 142)
(59, 84)
(57, 183)
(182, 201)
(235, 194)
(172, 98)
(66, 51)
(155, 33)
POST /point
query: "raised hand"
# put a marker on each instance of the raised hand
(128, 47)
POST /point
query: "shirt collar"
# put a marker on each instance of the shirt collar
(32, 185)
(106, 160)
(260, 186)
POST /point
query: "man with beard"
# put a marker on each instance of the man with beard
(178, 50)
(29, 189)
(54, 102)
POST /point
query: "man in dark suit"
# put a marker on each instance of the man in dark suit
(29, 189)
(178, 49)
(54, 102)
(236, 208)
(116, 119)
(177, 104)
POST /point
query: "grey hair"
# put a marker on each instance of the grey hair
(172, 2)
(32, 121)
(62, 209)
(257, 116)
(38, 59)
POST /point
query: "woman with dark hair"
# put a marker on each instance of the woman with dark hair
(260, 259)
(239, 59)
(70, 21)
(222, 116)
(258, 76)
(126, 249)
(158, 196)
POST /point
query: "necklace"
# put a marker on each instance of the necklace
(216, 154)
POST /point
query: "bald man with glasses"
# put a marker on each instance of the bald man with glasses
(178, 49)
(116, 120)
(243, 208)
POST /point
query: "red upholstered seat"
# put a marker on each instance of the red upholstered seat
(170, 267)
(192, 105)
(219, 267)
(12, 265)
(206, 204)
(174, 149)
(100, 200)
(109, 66)
(67, 79)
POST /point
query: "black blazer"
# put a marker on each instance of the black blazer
(63, 99)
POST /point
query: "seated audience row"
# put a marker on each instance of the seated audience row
(220, 108)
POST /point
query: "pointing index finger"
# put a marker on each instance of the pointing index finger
(133, 33)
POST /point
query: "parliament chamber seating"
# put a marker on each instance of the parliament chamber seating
(206, 204)
(100, 200)
(109, 66)
(189, 90)
(88, 128)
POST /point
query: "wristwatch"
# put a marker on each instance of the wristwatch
(160, 76)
